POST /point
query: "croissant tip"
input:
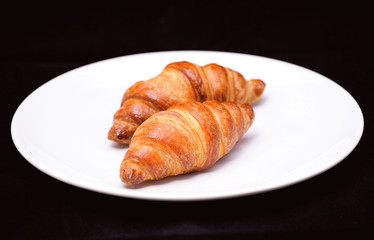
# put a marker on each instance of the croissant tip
(249, 110)
(120, 134)
(259, 86)
(131, 174)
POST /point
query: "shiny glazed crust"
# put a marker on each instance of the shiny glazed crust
(187, 137)
(180, 82)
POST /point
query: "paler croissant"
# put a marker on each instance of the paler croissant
(185, 138)
(180, 82)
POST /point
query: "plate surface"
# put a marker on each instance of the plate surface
(305, 124)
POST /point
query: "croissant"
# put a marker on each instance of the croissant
(186, 138)
(180, 82)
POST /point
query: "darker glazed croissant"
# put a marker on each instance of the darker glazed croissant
(187, 137)
(180, 82)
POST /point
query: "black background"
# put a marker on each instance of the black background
(40, 41)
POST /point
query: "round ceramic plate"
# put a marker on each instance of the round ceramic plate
(305, 124)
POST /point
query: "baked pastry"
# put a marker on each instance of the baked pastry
(185, 138)
(180, 82)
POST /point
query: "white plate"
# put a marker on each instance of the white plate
(305, 124)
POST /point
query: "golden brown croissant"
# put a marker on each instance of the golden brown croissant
(187, 137)
(180, 82)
